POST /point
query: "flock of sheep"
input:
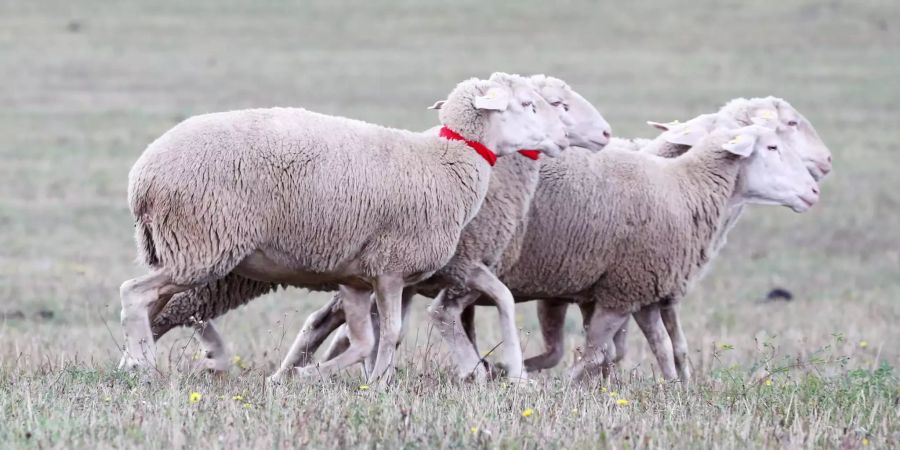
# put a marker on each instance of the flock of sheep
(230, 206)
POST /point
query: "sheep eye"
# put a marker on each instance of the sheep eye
(565, 107)
(773, 147)
(792, 123)
(555, 104)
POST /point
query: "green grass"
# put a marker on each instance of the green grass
(87, 85)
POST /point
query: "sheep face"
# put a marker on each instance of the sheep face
(527, 122)
(773, 173)
(585, 126)
(797, 131)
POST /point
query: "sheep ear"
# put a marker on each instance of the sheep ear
(663, 126)
(495, 99)
(437, 104)
(684, 134)
(741, 145)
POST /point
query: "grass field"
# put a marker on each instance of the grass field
(87, 85)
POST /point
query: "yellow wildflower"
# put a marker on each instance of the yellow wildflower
(865, 441)
(768, 381)
(474, 430)
(863, 344)
(602, 390)
(726, 347)
(237, 398)
(248, 406)
(622, 402)
(528, 412)
(613, 394)
(195, 397)
(364, 387)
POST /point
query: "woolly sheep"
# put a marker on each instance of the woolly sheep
(644, 227)
(793, 127)
(273, 195)
(512, 183)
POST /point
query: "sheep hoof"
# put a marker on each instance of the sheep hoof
(215, 365)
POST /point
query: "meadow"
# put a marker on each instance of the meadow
(87, 85)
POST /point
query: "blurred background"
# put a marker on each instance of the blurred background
(87, 85)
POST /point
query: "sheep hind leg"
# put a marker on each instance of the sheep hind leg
(356, 306)
(552, 319)
(600, 328)
(679, 343)
(316, 328)
(650, 322)
(445, 312)
(140, 296)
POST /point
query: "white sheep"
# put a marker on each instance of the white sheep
(482, 241)
(792, 127)
(288, 196)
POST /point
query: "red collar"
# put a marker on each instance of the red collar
(482, 150)
(530, 154)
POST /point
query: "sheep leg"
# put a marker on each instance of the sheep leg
(356, 304)
(445, 315)
(601, 326)
(215, 354)
(483, 280)
(620, 339)
(140, 296)
(317, 327)
(389, 298)
(679, 343)
(552, 318)
(408, 294)
(338, 345)
(650, 322)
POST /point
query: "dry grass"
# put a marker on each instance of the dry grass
(88, 85)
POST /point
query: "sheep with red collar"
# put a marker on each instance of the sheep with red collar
(289, 196)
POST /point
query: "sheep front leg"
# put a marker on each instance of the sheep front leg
(215, 354)
(552, 318)
(650, 322)
(679, 343)
(445, 313)
(317, 327)
(356, 305)
(408, 294)
(600, 328)
(483, 280)
(140, 296)
(389, 298)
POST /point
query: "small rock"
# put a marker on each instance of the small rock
(74, 26)
(12, 315)
(779, 294)
(45, 314)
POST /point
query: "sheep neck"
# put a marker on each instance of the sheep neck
(711, 178)
(479, 148)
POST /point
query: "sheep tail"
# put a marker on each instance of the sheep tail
(146, 245)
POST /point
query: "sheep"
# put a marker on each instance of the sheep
(792, 126)
(482, 240)
(273, 195)
(645, 226)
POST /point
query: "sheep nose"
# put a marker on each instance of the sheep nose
(815, 190)
(606, 134)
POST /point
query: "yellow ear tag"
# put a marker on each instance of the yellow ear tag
(735, 140)
(767, 114)
(687, 131)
